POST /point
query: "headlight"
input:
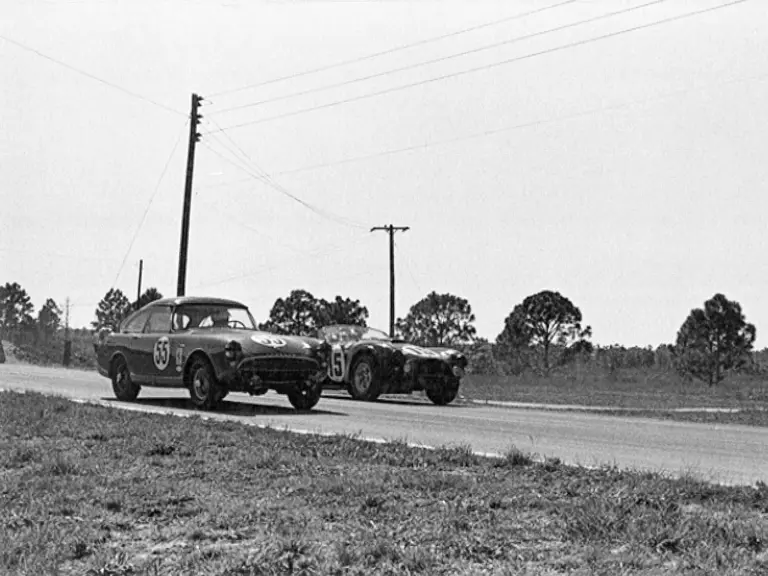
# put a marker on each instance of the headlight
(232, 350)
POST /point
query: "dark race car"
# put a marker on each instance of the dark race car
(210, 346)
(368, 363)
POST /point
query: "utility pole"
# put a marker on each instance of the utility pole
(138, 292)
(391, 229)
(194, 137)
(67, 342)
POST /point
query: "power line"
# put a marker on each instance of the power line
(440, 59)
(486, 66)
(394, 49)
(91, 76)
(246, 165)
(256, 231)
(315, 254)
(149, 204)
(509, 128)
(264, 174)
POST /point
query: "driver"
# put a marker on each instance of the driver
(220, 318)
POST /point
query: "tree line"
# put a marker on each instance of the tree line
(543, 332)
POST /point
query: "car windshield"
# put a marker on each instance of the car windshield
(212, 316)
(345, 333)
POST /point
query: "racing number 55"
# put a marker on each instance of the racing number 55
(337, 364)
(162, 353)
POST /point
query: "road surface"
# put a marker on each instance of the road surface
(728, 454)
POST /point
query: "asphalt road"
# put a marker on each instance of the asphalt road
(728, 454)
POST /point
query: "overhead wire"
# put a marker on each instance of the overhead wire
(393, 50)
(269, 238)
(442, 58)
(245, 163)
(508, 128)
(149, 204)
(91, 76)
(319, 253)
(486, 66)
(241, 165)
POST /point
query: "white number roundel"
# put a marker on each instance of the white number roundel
(162, 353)
(265, 340)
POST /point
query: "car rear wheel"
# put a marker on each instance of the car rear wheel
(307, 396)
(125, 389)
(444, 395)
(364, 383)
(204, 388)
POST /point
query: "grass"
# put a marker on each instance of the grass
(99, 491)
(642, 392)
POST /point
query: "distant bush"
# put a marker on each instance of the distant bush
(30, 348)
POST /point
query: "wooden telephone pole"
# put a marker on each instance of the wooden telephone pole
(138, 291)
(194, 137)
(391, 229)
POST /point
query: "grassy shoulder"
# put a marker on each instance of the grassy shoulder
(93, 490)
(639, 392)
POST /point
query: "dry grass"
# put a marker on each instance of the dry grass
(91, 490)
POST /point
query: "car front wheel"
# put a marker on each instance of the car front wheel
(204, 388)
(125, 389)
(307, 396)
(444, 395)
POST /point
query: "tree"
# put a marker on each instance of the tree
(541, 321)
(15, 309)
(149, 295)
(111, 310)
(714, 340)
(298, 314)
(342, 311)
(438, 320)
(49, 319)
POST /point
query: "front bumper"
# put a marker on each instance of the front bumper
(257, 374)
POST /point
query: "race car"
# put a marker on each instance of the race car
(368, 363)
(211, 347)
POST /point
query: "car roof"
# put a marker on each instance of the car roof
(179, 300)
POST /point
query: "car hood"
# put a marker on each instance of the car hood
(258, 342)
(408, 350)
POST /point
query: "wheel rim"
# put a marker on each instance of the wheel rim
(201, 386)
(363, 377)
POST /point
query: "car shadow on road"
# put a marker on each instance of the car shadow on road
(229, 407)
(394, 400)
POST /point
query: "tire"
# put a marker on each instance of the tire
(307, 396)
(204, 388)
(364, 382)
(125, 389)
(446, 394)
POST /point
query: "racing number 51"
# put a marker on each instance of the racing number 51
(337, 363)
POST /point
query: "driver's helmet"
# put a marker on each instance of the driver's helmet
(220, 317)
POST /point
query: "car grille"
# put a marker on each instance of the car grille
(432, 368)
(280, 368)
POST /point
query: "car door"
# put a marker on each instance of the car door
(128, 340)
(155, 346)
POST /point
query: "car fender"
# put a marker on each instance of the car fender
(194, 355)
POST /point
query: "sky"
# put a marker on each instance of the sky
(611, 150)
